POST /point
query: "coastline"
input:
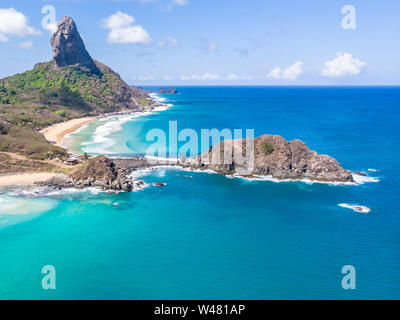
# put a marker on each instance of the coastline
(56, 132)
(25, 179)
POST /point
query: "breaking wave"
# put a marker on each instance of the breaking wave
(355, 207)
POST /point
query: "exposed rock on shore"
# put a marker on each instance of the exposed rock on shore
(273, 156)
(98, 172)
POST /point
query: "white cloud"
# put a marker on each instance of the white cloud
(290, 73)
(118, 20)
(167, 78)
(52, 27)
(293, 71)
(170, 42)
(14, 23)
(25, 45)
(344, 64)
(202, 77)
(212, 47)
(134, 34)
(214, 76)
(122, 30)
(275, 73)
(147, 78)
(235, 77)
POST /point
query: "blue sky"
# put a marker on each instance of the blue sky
(213, 42)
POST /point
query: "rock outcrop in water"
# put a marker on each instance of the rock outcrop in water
(275, 157)
(68, 47)
(169, 91)
(99, 172)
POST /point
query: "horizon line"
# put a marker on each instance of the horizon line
(264, 85)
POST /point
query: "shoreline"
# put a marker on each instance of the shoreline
(55, 133)
(25, 179)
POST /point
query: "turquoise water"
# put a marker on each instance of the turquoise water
(206, 236)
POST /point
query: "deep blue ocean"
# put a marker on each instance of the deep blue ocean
(205, 236)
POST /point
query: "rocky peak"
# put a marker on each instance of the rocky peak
(68, 47)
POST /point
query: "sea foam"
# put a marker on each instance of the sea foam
(10, 205)
(364, 179)
(355, 207)
(172, 164)
(101, 143)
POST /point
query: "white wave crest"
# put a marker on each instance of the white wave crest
(364, 179)
(100, 136)
(51, 192)
(355, 207)
(101, 143)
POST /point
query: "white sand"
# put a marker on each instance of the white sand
(57, 132)
(25, 178)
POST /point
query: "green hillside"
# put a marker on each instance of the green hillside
(72, 85)
(47, 95)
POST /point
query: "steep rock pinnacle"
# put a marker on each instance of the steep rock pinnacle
(68, 47)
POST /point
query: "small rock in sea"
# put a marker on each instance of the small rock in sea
(363, 174)
(159, 184)
(170, 91)
(115, 204)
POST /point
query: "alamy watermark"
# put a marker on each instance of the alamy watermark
(235, 152)
(349, 280)
(49, 280)
(349, 20)
(49, 21)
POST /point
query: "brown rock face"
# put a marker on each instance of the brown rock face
(103, 172)
(273, 156)
(99, 172)
(68, 47)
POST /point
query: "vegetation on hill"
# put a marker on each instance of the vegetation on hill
(72, 85)
(267, 148)
(100, 168)
(27, 142)
(9, 165)
(46, 95)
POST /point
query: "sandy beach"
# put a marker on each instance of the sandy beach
(56, 133)
(53, 134)
(25, 178)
